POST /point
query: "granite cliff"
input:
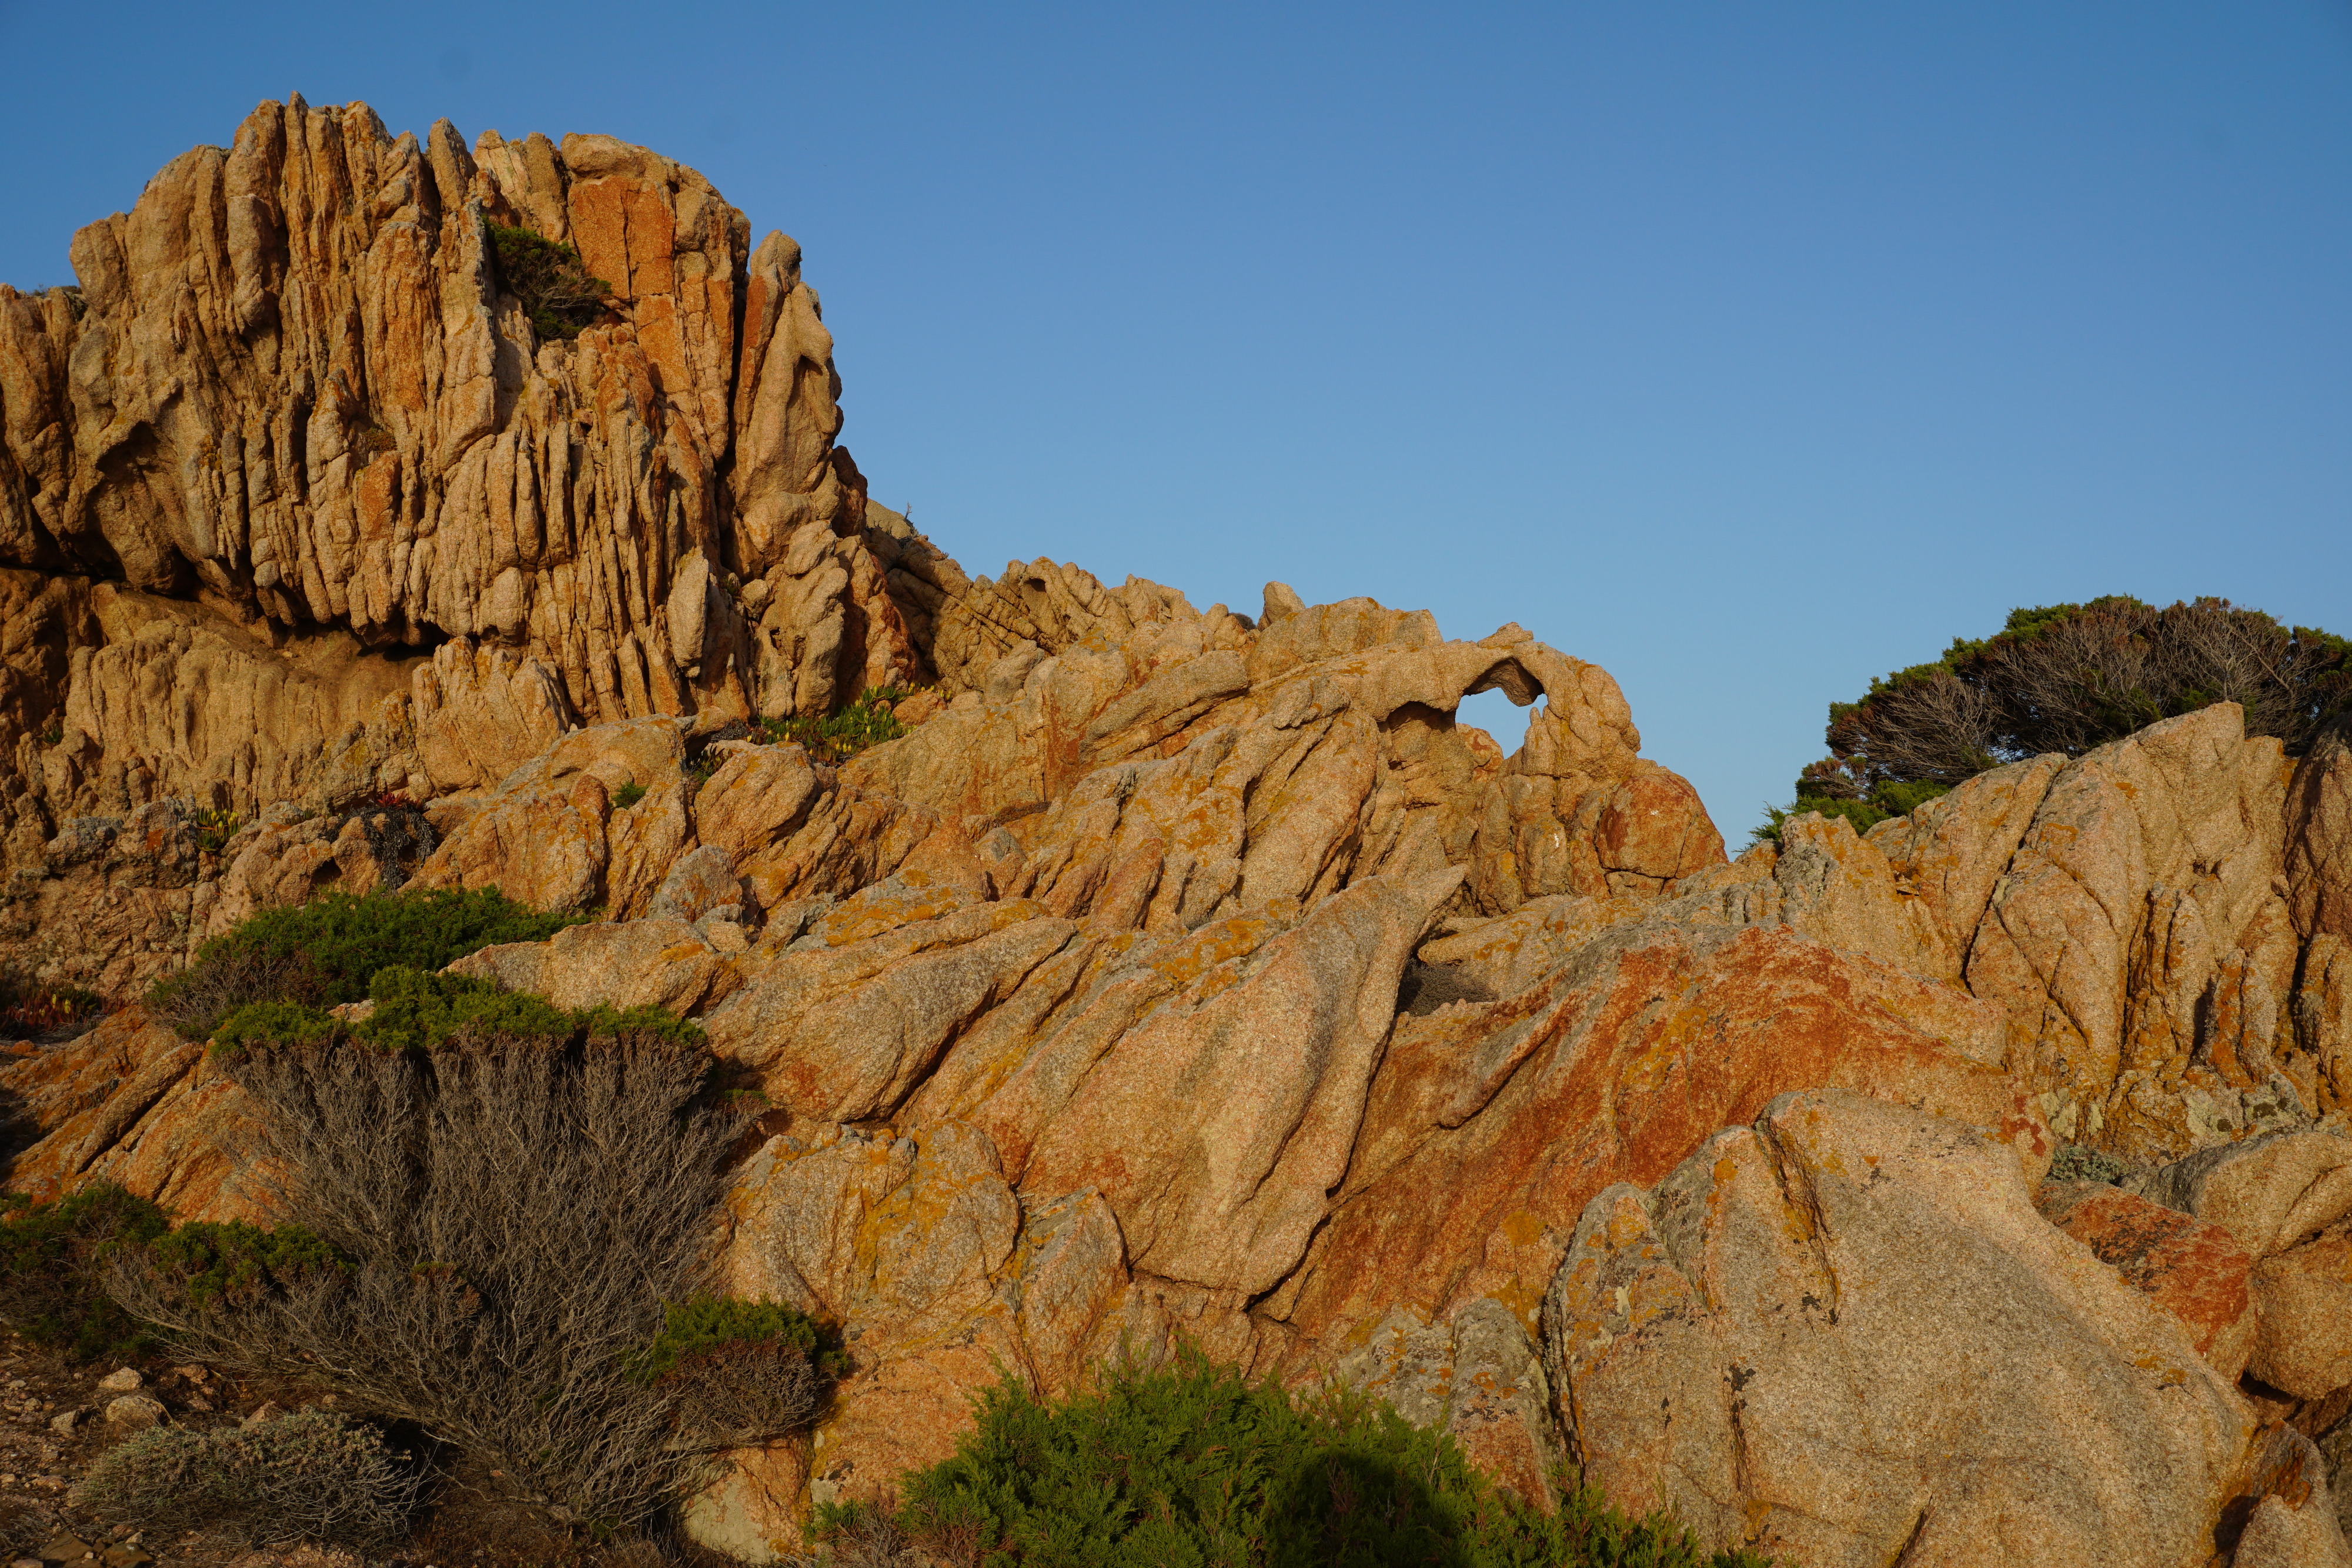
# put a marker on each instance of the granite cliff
(1179, 974)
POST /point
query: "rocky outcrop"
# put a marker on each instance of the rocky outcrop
(1178, 977)
(290, 414)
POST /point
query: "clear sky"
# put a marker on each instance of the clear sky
(1747, 350)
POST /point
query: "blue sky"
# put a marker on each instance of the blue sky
(1747, 350)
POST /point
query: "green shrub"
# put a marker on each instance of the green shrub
(644, 1022)
(2069, 678)
(308, 1476)
(51, 1257)
(628, 795)
(288, 1023)
(327, 952)
(740, 1371)
(205, 1264)
(1885, 800)
(1195, 1464)
(702, 1324)
(550, 279)
(417, 1010)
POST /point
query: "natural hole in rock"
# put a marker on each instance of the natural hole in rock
(1498, 715)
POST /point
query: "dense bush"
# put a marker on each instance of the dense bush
(417, 1010)
(51, 1256)
(205, 1264)
(494, 1198)
(550, 279)
(327, 952)
(738, 1371)
(2068, 678)
(308, 1476)
(1196, 1464)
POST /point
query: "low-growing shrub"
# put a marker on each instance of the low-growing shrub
(550, 279)
(1195, 1464)
(496, 1198)
(628, 795)
(327, 952)
(312, 1475)
(738, 1370)
(52, 1255)
(416, 1010)
(1886, 799)
(207, 1263)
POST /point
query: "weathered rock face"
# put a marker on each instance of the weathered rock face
(290, 413)
(1767, 1341)
(1181, 976)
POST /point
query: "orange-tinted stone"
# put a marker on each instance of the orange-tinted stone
(2197, 1271)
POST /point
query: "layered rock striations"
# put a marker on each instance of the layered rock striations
(1179, 977)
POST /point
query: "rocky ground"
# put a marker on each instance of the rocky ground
(55, 1419)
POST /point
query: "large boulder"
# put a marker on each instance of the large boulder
(1845, 1335)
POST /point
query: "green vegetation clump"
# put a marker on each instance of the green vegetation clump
(1886, 799)
(628, 795)
(2068, 678)
(206, 1264)
(312, 1475)
(329, 951)
(52, 1255)
(707, 1325)
(215, 826)
(550, 279)
(838, 738)
(832, 739)
(740, 1371)
(419, 1010)
(1195, 1464)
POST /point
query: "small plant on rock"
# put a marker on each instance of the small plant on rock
(28, 1008)
(2080, 1162)
(550, 279)
(628, 795)
(215, 826)
(836, 737)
